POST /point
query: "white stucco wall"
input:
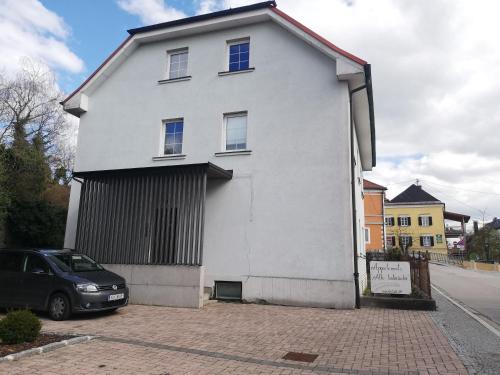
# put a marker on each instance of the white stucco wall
(283, 224)
(360, 217)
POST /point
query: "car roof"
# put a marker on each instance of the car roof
(41, 251)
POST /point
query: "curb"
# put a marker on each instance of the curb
(45, 348)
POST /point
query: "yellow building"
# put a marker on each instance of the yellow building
(415, 219)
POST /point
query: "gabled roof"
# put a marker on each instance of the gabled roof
(350, 68)
(372, 185)
(210, 16)
(495, 224)
(414, 194)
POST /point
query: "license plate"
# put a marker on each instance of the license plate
(114, 297)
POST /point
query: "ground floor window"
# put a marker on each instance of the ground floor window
(426, 241)
(405, 241)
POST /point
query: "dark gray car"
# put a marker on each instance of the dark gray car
(61, 282)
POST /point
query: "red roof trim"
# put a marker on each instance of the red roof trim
(367, 184)
(98, 69)
(318, 37)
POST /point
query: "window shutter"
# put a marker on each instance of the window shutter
(410, 242)
(399, 221)
(421, 240)
(393, 240)
(409, 221)
(432, 240)
(419, 221)
(430, 220)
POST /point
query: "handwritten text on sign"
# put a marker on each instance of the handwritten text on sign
(390, 277)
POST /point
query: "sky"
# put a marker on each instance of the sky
(435, 67)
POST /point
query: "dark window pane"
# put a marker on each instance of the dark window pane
(234, 58)
(244, 64)
(233, 66)
(234, 48)
(244, 47)
(169, 149)
(177, 148)
(171, 127)
(178, 138)
(178, 127)
(35, 263)
(169, 139)
(244, 56)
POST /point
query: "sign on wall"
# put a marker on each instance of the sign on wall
(390, 277)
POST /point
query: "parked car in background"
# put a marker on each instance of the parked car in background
(61, 282)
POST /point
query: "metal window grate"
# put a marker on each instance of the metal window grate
(154, 218)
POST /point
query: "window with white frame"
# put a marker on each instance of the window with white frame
(235, 131)
(427, 241)
(239, 55)
(178, 62)
(389, 221)
(367, 235)
(174, 130)
(390, 241)
(425, 221)
(405, 240)
(404, 221)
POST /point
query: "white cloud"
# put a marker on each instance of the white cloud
(28, 29)
(151, 11)
(208, 6)
(435, 65)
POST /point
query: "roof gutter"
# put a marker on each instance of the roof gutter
(203, 17)
(369, 93)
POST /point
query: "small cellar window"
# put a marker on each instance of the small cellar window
(228, 290)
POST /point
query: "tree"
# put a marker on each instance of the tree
(4, 196)
(486, 244)
(30, 101)
(35, 158)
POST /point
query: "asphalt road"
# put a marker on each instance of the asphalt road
(478, 348)
(480, 290)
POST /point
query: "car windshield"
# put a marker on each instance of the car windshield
(75, 263)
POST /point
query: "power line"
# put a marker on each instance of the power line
(455, 199)
(462, 189)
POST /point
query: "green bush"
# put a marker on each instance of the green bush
(36, 224)
(19, 326)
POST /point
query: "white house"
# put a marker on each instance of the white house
(223, 153)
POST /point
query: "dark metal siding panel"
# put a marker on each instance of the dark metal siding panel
(143, 219)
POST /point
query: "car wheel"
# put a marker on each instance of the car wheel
(59, 307)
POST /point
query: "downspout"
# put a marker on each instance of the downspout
(368, 87)
(353, 205)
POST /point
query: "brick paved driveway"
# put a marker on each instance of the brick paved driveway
(227, 338)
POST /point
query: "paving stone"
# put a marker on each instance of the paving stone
(225, 338)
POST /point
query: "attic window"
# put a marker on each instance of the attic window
(177, 63)
(239, 55)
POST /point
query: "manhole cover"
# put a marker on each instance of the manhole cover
(300, 357)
